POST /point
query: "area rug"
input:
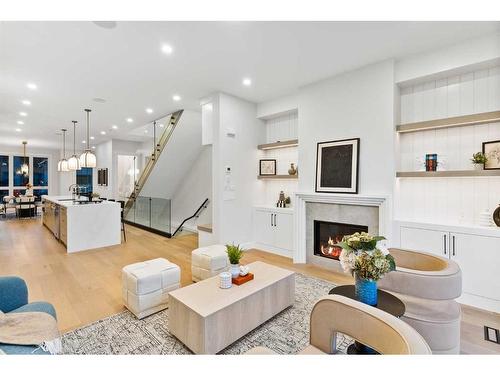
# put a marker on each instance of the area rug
(286, 333)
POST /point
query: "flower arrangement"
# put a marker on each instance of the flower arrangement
(365, 256)
(234, 253)
(479, 158)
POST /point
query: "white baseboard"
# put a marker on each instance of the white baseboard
(269, 249)
(479, 302)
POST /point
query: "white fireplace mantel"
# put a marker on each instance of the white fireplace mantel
(300, 200)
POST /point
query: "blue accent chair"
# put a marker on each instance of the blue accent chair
(14, 299)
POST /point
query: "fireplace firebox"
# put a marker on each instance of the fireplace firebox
(327, 234)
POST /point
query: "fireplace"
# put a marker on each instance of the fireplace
(327, 234)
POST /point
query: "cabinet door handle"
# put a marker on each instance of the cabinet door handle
(453, 247)
(272, 220)
(444, 243)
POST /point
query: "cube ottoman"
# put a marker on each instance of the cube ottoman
(208, 261)
(145, 285)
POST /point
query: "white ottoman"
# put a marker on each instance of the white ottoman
(145, 285)
(208, 261)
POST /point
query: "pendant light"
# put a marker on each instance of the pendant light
(24, 167)
(62, 166)
(88, 159)
(73, 161)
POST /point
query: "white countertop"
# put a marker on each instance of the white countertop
(62, 200)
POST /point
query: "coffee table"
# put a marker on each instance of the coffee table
(207, 318)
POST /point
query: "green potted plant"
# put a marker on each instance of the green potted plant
(234, 253)
(478, 160)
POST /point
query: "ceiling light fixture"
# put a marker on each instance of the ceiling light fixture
(149, 110)
(18, 130)
(24, 170)
(88, 159)
(26, 102)
(73, 161)
(31, 86)
(103, 132)
(84, 142)
(92, 138)
(24, 114)
(130, 120)
(20, 122)
(167, 49)
(176, 98)
(93, 147)
(62, 165)
(114, 127)
(247, 81)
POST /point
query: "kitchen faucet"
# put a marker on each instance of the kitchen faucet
(75, 189)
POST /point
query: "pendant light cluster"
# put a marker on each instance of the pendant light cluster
(86, 160)
(24, 167)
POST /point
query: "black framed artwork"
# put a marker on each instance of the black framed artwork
(267, 167)
(492, 152)
(102, 177)
(337, 164)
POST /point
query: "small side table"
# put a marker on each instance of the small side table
(386, 302)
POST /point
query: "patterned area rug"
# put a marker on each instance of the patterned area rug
(286, 333)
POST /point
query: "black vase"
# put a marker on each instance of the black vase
(496, 216)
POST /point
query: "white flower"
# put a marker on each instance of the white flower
(382, 246)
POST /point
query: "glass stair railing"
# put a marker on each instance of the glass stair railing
(143, 210)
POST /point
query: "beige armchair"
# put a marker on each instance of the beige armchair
(428, 285)
(368, 325)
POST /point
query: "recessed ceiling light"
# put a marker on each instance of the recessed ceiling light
(84, 142)
(26, 102)
(18, 130)
(176, 98)
(149, 110)
(31, 86)
(103, 132)
(99, 100)
(24, 114)
(114, 127)
(247, 81)
(161, 125)
(130, 120)
(105, 24)
(92, 137)
(20, 122)
(93, 147)
(145, 131)
(167, 49)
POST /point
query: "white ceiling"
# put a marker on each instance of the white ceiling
(74, 62)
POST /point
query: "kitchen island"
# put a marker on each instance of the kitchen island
(80, 224)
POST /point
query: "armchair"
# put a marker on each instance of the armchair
(14, 299)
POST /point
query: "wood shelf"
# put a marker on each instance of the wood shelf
(278, 177)
(279, 144)
(450, 122)
(466, 173)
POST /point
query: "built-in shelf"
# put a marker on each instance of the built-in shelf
(205, 228)
(279, 144)
(467, 173)
(450, 122)
(278, 177)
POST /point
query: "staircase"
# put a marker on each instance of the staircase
(157, 150)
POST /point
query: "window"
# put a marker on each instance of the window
(40, 171)
(84, 179)
(18, 192)
(3, 193)
(4, 170)
(20, 179)
(37, 193)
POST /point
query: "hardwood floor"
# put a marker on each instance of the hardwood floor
(86, 286)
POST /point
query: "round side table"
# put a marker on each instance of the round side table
(386, 302)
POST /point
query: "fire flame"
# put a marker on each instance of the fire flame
(330, 249)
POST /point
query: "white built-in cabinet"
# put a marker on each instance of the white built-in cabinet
(273, 230)
(478, 256)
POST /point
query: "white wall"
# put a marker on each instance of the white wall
(194, 188)
(278, 107)
(234, 199)
(104, 155)
(357, 104)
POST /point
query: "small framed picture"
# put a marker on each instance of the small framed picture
(492, 152)
(337, 166)
(267, 167)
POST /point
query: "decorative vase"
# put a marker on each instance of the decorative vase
(292, 171)
(366, 290)
(478, 167)
(225, 280)
(235, 270)
(496, 216)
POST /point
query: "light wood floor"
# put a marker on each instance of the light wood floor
(86, 286)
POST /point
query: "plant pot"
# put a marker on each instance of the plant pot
(478, 167)
(366, 290)
(235, 270)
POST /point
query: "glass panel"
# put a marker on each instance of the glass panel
(18, 192)
(3, 193)
(37, 193)
(4, 170)
(20, 179)
(84, 179)
(40, 171)
(127, 175)
(160, 214)
(142, 211)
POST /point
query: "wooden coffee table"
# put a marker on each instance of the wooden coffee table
(207, 318)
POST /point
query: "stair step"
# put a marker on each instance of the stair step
(205, 228)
